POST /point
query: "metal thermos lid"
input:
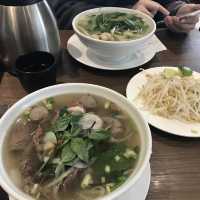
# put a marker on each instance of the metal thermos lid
(18, 2)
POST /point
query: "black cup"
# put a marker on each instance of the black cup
(36, 70)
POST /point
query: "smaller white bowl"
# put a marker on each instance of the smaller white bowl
(114, 51)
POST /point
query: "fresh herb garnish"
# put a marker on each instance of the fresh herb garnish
(67, 154)
(108, 158)
(100, 135)
(185, 71)
(116, 24)
(61, 123)
(80, 147)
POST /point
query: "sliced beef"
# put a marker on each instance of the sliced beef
(30, 162)
(37, 138)
(55, 116)
(20, 136)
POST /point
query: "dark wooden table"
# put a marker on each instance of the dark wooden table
(175, 162)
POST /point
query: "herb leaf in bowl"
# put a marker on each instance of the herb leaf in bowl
(113, 26)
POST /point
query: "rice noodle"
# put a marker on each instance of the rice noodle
(55, 193)
(175, 97)
(92, 193)
(115, 140)
(60, 178)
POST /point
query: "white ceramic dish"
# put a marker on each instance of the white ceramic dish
(139, 191)
(198, 25)
(145, 136)
(168, 125)
(81, 53)
(114, 50)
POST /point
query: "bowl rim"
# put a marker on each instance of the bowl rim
(14, 191)
(127, 10)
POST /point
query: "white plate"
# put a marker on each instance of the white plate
(82, 54)
(140, 191)
(168, 125)
(198, 25)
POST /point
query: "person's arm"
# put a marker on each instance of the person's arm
(177, 9)
(173, 5)
(150, 8)
(65, 10)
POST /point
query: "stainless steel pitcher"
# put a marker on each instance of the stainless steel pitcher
(26, 26)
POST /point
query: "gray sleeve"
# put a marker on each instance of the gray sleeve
(65, 10)
(174, 6)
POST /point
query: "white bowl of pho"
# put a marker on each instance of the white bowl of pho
(113, 33)
(72, 141)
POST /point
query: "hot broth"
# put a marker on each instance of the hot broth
(72, 147)
(113, 26)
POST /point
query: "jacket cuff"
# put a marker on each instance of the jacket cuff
(174, 6)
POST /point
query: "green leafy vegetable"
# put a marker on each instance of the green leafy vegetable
(67, 154)
(115, 23)
(61, 123)
(73, 162)
(75, 127)
(43, 166)
(100, 135)
(47, 172)
(80, 147)
(49, 103)
(108, 158)
(119, 181)
(63, 111)
(66, 137)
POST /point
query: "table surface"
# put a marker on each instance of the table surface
(175, 161)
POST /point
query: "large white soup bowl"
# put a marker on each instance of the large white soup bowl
(75, 88)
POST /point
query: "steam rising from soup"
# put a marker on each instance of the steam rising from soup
(115, 26)
(72, 147)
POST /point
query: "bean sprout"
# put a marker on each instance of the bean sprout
(176, 97)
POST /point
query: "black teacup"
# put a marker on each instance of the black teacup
(36, 70)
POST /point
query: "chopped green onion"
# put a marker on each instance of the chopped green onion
(107, 169)
(103, 179)
(117, 158)
(130, 154)
(109, 187)
(27, 112)
(107, 105)
(87, 180)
